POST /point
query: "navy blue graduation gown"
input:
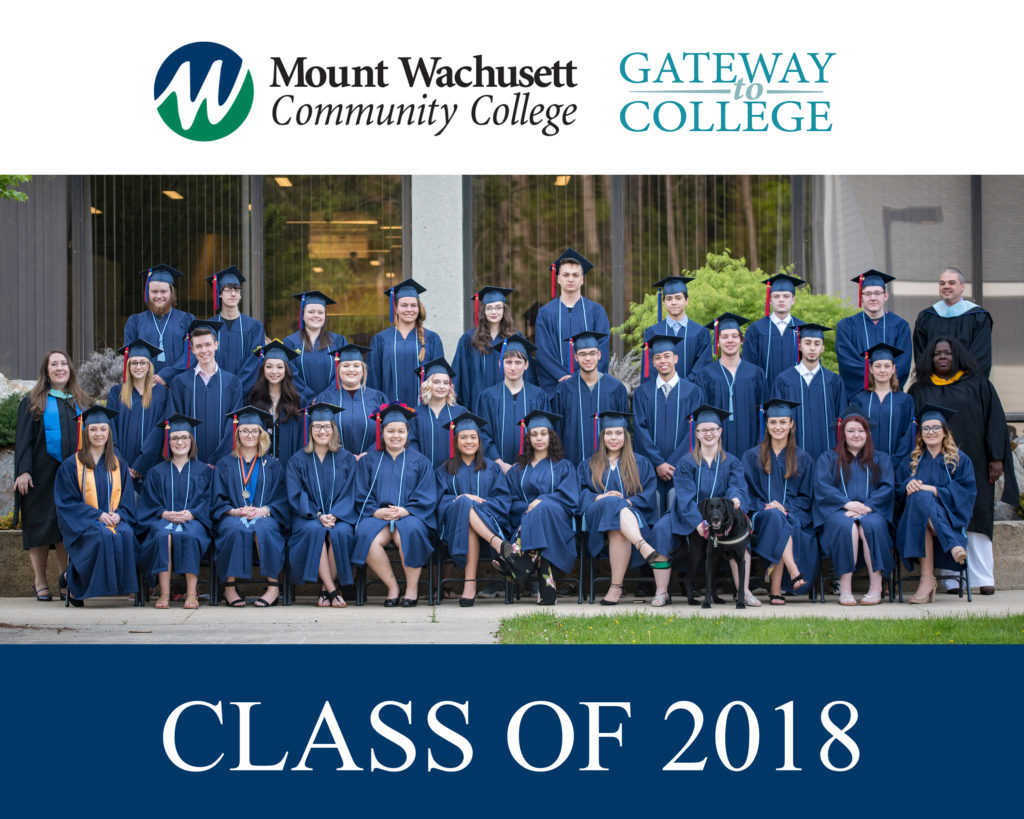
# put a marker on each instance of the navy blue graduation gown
(317, 488)
(233, 547)
(428, 434)
(556, 323)
(137, 435)
(392, 362)
(406, 481)
(503, 412)
(661, 426)
(831, 493)
(768, 350)
(601, 516)
(693, 348)
(695, 482)
(820, 406)
(101, 562)
(855, 334)
(358, 430)
(949, 513)
(773, 527)
(454, 506)
(474, 371)
(169, 333)
(548, 528)
(742, 394)
(285, 439)
(237, 340)
(313, 371)
(894, 417)
(577, 403)
(209, 403)
(168, 489)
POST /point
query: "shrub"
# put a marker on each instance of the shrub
(9, 418)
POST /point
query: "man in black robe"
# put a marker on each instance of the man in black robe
(956, 317)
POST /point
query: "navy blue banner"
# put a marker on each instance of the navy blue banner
(511, 730)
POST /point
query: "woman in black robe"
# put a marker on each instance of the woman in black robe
(46, 434)
(948, 376)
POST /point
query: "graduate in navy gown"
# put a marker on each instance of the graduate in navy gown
(855, 334)
(771, 342)
(276, 394)
(505, 405)
(661, 412)
(239, 335)
(780, 480)
(96, 513)
(396, 499)
(396, 352)
(140, 402)
(429, 432)
(819, 392)
(565, 316)
(321, 490)
(853, 504)
(207, 392)
(618, 499)
(584, 394)
(358, 401)
(545, 496)
(174, 512)
(694, 341)
(938, 485)
(161, 323)
(473, 504)
(476, 362)
(881, 401)
(707, 472)
(250, 509)
(733, 384)
(313, 370)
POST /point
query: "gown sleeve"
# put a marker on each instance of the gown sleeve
(646, 501)
(277, 492)
(546, 357)
(828, 497)
(422, 500)
(26, 430)
(685, 514)
(883, 494)
(298, 497)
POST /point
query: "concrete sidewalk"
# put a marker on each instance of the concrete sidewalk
(23, 620)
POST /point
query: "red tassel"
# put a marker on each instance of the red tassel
(188, 350)
(337, 381)
(595, 433)
(572, 357)
(378, 432)
(866, 366)
(716, 337)
(476, 310)
(693, 444)
(796, 333)
(124, 369)
(216, 295)
(768, 299)
(451, 440)
(167, 439)
(860, 296)
(234, 433)
(522, 430)
(305, 426)
(647, 360)
(554, 278)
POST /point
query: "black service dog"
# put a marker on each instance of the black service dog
(728, 534)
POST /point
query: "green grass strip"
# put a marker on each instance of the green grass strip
(653, 629)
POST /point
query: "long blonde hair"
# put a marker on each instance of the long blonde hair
(950, 453)
(426, 392)
(127, 388)
(628, 470)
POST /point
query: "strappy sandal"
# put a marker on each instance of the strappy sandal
(238, 602)
(324, 600)
(163, 602)
(654, 558)
(191, 602)
(43, 594)
(606, 602)
(750, 600)
(798, 582)
(776, 600)
(501, 560)
(661, 599)
(333, 596)
(263, 603)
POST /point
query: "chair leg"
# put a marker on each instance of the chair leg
(967, 580)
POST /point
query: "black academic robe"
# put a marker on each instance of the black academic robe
(973, 328)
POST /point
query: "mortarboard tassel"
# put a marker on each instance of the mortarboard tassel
(913, 421)
(305, 426)
(554, 276)
(760, 431)
(501, 361)
(660, 291)
(79, 447)
(522, 429)
(391, 305)
(693, 444)
(451, 440)
(839, 423)
(302, 312)
(234, 432)
(378, 432)
(768, 299)
(860, 293)
(167, 439)
(124, 369)
(716, 337)
(216, 295)
(647, 360)
(145, 293)
(796, 335)
(572, 357)
(595, 433)
(866, 366)
(188, 350)
(476, 309)
(337, 378)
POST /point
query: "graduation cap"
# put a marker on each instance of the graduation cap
(318, 411)
(515, 343)
(709, 414)
(585, 340)
(311, 297)
(610, 419)
(658, 343)
(812, 330)
(879, 352)
(395, 412)
(464, 422)
(570, 255)
(536, 419)
(670, 285)
(408, 289)
(870, 278)
(228, 277)
(488, 295)
(276, 349)
(139, 348)
(96, 414)
(346, 352)
(433, 367)
(159, 273)
(775, 408)
(177, 423)
(726, 321)
(933, 412)
(853, 411)
(783, 283)
(206, 325)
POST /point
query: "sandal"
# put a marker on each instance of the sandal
(238, 602)
(750, 600)
(191, 602)
(334, 597)
(501, 561)
(654, 558)
(262, 602)
(776, 600)
(798, 582)
(605, 601)
(871, 600)
(43, 594)
(163, 602)
(324, 600)
(847, 600)
(661, 599)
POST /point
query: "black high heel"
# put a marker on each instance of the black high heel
(69, 600)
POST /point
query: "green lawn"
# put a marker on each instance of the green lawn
(650, 629)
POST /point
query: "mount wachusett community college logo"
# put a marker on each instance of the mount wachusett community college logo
(203, 92)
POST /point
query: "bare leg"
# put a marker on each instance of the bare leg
(846, 580)
(874, 577)
(230, 592)
(472, 559)
(412, 576)
(748, 598)
(377, 559)
(164, 581)
(37, 555)
(926, 587)
(775, 584)
(619, 550)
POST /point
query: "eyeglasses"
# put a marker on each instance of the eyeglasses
(321, 427)
(709, 430)
(180, 439)
(249, 433)
(932, 428)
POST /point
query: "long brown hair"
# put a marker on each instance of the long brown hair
(766, 454)
(555, 449)
(109, 456)
(452, 465)
(866, 457)
(421, 316)
(628, 470)
(128, 387)
(289, 405)
(482, 340)
(37, 396)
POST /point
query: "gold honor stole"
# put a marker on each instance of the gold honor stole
(87, 486)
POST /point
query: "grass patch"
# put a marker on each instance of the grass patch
(654, 629)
